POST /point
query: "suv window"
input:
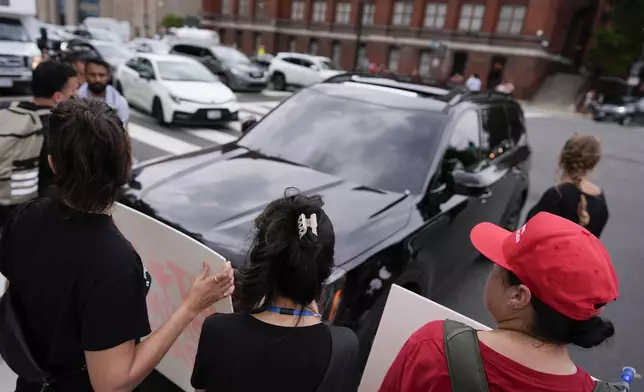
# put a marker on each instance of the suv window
(134, 63)
(146, 66)
(189, 50)
(292, 60)
(495, 136)
(517, 124)
(463, 149)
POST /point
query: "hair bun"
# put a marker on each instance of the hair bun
(592, 332)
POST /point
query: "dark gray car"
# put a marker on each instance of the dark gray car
(232, 67)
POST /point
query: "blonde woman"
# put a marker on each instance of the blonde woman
(576, 198)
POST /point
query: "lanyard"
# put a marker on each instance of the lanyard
(292, 312)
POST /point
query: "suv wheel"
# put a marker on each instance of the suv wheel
(157, 112)
(626, 121)
(279, 82)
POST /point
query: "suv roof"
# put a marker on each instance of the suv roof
(449, 97)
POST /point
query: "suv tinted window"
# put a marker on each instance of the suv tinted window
(188, 49)
(495, 137)
(517, 125)
(463, 149)
(134, 64)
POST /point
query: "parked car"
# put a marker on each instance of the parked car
(231, 66)
(406, 171)
(298, 69)
(619, 108)
(148, 45)
(263, 60)
(176, 89)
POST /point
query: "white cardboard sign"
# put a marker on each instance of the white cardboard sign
(174, 260)
(405, 312)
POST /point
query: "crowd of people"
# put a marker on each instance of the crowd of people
(75, 305)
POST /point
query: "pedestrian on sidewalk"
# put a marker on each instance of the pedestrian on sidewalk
(97, 72)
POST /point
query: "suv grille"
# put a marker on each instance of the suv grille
(11, 62)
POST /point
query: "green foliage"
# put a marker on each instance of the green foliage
(172, 20)
(617, 46)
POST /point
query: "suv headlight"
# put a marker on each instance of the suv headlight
(332, 295)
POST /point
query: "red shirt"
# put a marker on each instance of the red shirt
(421, 367)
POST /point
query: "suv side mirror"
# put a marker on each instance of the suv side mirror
(468, 184)
(248, 124)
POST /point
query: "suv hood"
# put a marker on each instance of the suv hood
(215, 197)
(16, 48)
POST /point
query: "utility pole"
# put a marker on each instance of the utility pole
(356, 58)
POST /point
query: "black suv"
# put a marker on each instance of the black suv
(405, 170)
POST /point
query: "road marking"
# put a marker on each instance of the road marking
(160, 141)
(273, 93)
(212, 135)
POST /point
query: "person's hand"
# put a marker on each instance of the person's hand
(208, 289)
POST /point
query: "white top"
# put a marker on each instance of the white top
(112, 98)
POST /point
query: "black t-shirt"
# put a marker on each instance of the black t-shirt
(77, 281)
(239, 353)
(563, 200)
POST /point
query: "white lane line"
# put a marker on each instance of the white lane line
(159, 140)
(212, 135)
(273, 93)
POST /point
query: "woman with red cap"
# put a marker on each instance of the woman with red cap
(551, 281)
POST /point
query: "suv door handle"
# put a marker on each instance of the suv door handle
(487, 193)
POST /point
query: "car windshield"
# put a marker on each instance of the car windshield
(12, 30)
(112, 51)
(328, 64)
(230, 55)
(370, 144)
(184, 71)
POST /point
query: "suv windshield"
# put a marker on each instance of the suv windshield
(230, 55)
(184, 71)
(12, 30)
(369, 144)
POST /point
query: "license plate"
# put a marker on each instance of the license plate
(6, 82)
(213, 115)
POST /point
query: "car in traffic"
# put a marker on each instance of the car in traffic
(115, 55)
(299, 69)
(405, 170)
(148, 45)
(231, 66)
(176, 89)
(621, 109)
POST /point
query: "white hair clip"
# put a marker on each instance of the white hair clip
(303, 224)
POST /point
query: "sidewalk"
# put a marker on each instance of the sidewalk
(551, 109)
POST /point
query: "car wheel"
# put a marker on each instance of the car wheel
(597, 118)
(626, 121)
(279, 82)
(157, 112)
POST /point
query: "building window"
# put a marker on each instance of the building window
(363, 61)
(244, 8)
(402, 13)
(258, 42)
(297, 10)
(368, 14)
(319, 11)
(337, 52)
(394, 59)
(292, 44)
(260, 9)
(435, 16)
(226, 7)
(313, 47)
(471, 17)
(425, 63)
(511, 19)
(343, 13)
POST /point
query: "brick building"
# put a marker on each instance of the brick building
(518, 40)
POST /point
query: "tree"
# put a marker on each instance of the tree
(172, 20)
(620, 43)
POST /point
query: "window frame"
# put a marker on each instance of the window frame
(336, 45)
(243, 8)
(439, 12)
(368, 14)
(392, 51)
(510, 20)
(297, 10)
(260, 5)
(402, 13)
(314, 43)
(226, 7)
(319, 11)
(425, 54)
(472, 17)
(342, 13)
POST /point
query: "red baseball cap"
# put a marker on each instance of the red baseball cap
(562, 263)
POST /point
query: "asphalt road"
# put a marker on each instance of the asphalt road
(620, 173)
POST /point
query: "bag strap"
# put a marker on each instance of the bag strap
(603, 386)
(344, 349)
(463, 356)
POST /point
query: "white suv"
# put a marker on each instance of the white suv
(297, 69)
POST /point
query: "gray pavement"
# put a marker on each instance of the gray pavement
(620, 173)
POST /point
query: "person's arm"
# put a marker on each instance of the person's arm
(120, 368)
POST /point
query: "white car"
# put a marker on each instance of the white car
(176, 89)
(148, 45)
(297, 69)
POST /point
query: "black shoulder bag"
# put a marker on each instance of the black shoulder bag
(342, 373)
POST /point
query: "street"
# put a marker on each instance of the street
(619, 173)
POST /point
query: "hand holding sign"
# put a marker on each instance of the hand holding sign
(208, 289)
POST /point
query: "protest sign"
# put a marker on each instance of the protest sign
(405, 312)
(174, 260)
